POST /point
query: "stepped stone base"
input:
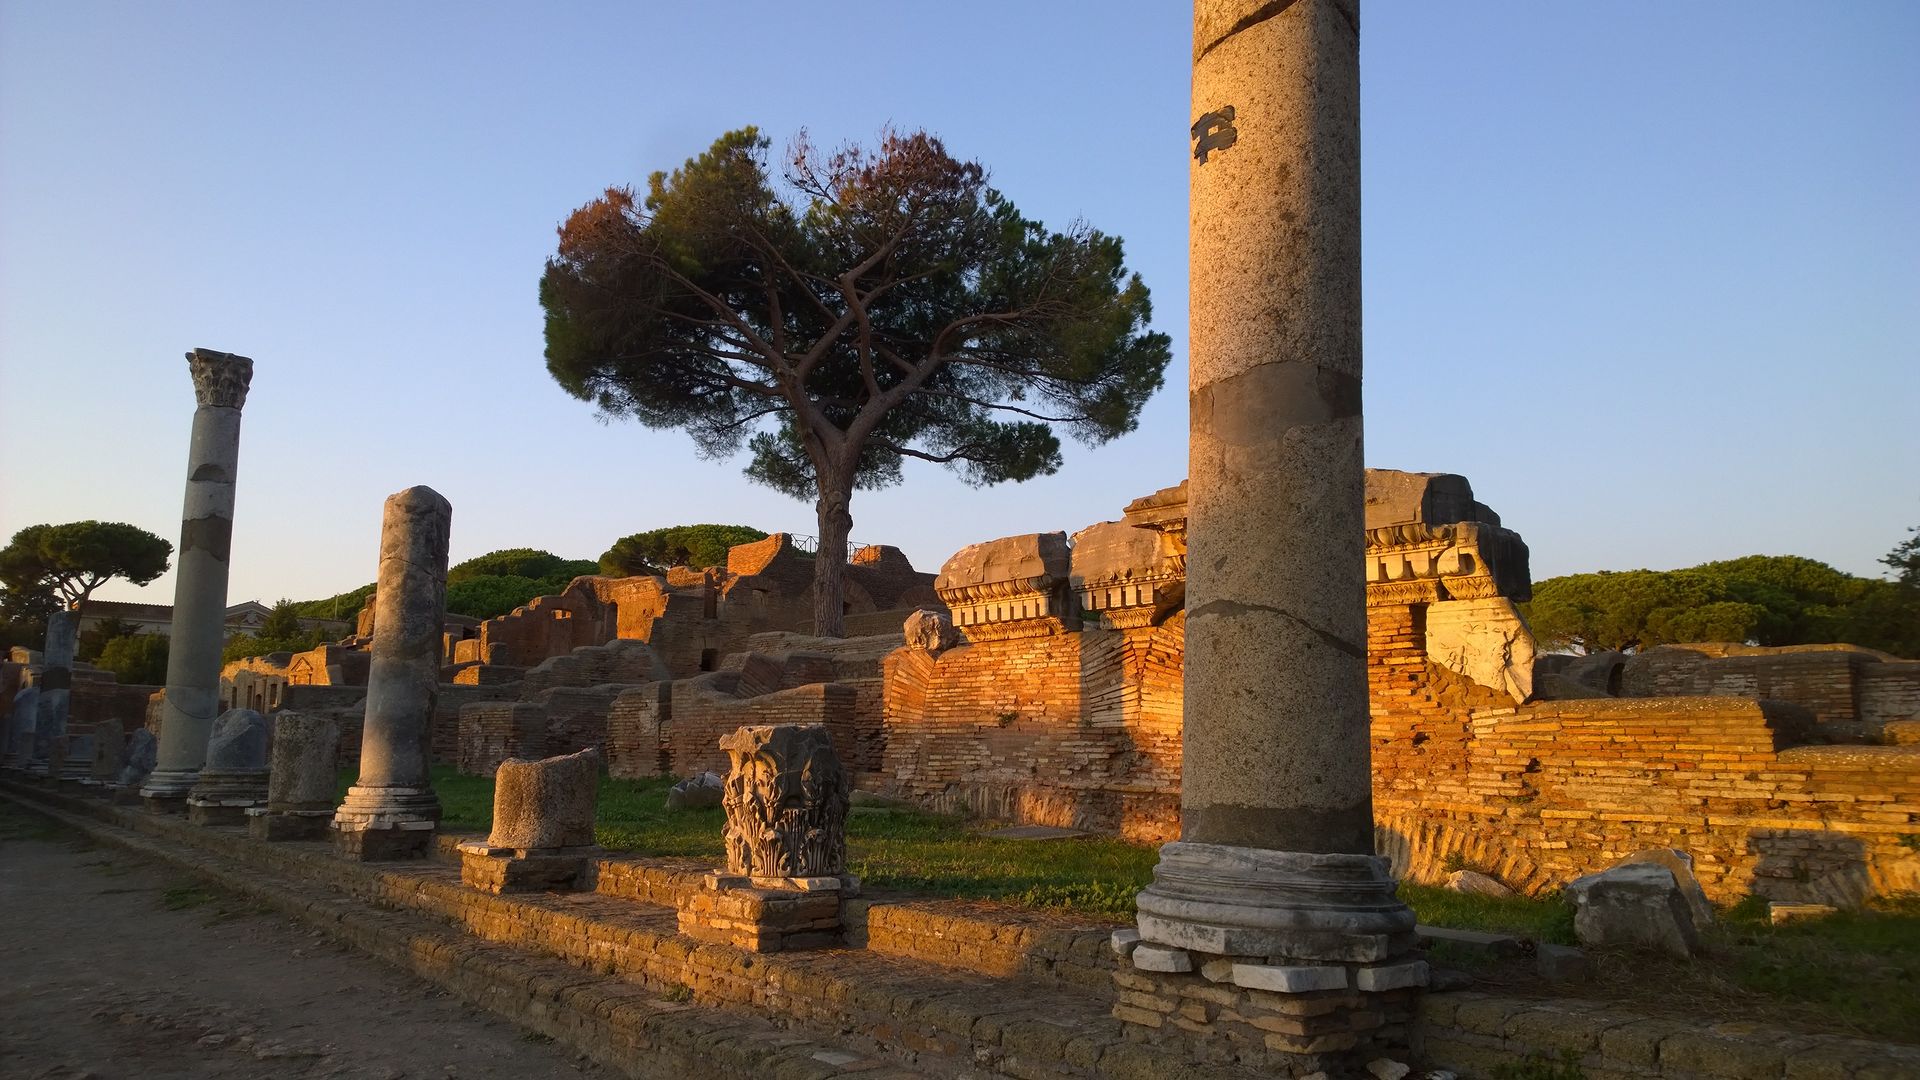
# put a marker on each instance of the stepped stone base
(1286, 1019)
(766, 915)
(502, 870)
(265, 824)
(217, 813)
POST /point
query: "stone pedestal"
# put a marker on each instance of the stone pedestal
(109, 752)
(21, 723)
(542, 838)
(391, 811)
(198, 632)
(234, 777)
(1275, 870)
(766, 914)
(300, 785)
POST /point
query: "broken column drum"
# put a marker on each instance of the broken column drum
(198, 632)
(391, 810)
(1274, 885)
(542, 837)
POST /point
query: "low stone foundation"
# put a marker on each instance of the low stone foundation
(766, 915)
(503, 870)
(1283, 1019)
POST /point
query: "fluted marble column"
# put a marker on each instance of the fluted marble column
(391, 810)
(1275, 859)
(220, 382)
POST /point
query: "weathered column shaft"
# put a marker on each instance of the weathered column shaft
(1275, 751)
(391, 809)
(1275, 859)
(220, 382)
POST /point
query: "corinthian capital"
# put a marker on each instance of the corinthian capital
(219, 379)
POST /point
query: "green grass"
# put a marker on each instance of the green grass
(895, 849)
(1544, 918)
(1862, 966)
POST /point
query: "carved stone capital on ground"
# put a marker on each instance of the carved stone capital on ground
(786, 801)
(220, 380)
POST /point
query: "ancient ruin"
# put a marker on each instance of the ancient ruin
(391, 811)
(233, 777)
(542, 835)
(220, 382)
(300, 789)
(785, 881)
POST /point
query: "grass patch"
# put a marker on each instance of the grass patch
(888, 848)
(1544, 918)
(1860, 967)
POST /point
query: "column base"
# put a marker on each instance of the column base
(266, 823)
(201, 812)
(223, 797)
(383, 841)
(169, 785)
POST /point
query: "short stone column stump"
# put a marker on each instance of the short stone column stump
(767, 914)
(542, 838)
(300, 786)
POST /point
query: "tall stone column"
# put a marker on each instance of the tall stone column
(56, 684)
(1273, 885)
(198, 633)
(391, 811)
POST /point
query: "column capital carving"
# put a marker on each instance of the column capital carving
(220, 379)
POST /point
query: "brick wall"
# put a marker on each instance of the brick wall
(1844, 687)
(1076, 730)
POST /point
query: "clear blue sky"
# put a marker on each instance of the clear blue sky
(1648, 273)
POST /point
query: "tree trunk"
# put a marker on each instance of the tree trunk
(833, 508)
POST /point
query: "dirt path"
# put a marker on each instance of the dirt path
(111, 966)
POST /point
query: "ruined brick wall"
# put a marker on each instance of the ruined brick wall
(635, 748)
(1076, 730)
(92, 703)
(619, 661)
(1847, 688)
(700, 712)
(491, 732)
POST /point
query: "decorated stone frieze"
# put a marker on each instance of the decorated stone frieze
(1126, 575)
(1014, 587)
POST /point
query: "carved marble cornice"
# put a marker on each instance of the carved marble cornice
(220, 379)
(1465, 560)
(1133, 600)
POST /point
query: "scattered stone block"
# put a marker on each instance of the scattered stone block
(109, 752)
(702, 792)
(234, 777)
(1561, 964)
(1780, 912)
(1474, 883)
(1638, 905)
(1124, 941)
(1377, 978)
(1680, 865)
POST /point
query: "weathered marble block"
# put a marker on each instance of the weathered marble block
(143, 753)
(300, 784)
(234, 776)
(786, 801)
(20, 727)
(542, 838)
